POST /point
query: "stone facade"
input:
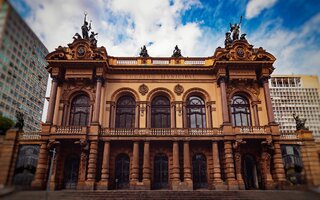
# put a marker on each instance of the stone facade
(161, 123)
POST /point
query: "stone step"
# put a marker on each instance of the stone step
(174, 195)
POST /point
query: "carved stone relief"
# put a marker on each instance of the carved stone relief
(143, 89)
(178, 89)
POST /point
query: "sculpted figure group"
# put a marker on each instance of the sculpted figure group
(234, 33)
(85, 28)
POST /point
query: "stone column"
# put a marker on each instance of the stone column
(184, 115)
(267, 99)
(97, 102)
(112, 115)
(238, 170)
(209, 114)
(187, 165)
(40, 178)
(255, 113)
(224, 104)
(175, 166)
(217, 181)
(104, 182)
(229, 166)
(56, 114)
(146, 165)
(137, 115)
(265, 166)
(83, 165)
(52, 100)
(92, 165)
(173, 115)
(148, 114)
(135, 165)
(278, 165)
(65, 114)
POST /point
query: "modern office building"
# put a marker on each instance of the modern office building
(23, 77)
(296, 94)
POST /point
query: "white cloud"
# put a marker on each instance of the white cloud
(255, 7)
(125, 25)
(297, 51)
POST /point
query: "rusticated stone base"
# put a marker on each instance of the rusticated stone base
(233, 185)
(102, 185)
(219, 186)
(89, 185)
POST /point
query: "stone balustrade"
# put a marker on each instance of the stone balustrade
(30, 136)
(70, 129)
(251, 129)
(289, 136)
(160, 132)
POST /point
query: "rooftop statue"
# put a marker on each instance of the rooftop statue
(85, 28)
(300, 123)
(235, 30)
(144, 52)
(92, 39)
(228, 39)
(234, 33)
(176, 52)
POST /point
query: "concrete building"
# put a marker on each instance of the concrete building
(297, 94)
(23, 77)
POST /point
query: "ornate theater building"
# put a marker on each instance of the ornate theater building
(180, 123)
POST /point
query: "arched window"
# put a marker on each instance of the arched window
(125, 114)
(196, 115)
(80, 109)
(160, 112)
(240, 111)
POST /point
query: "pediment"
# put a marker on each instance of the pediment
(241, 50)
(79, 49)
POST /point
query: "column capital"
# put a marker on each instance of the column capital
(100, 79)
(222, 79)
(264, 79)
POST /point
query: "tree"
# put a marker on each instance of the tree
(5, 124)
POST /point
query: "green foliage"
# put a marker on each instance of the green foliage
(5, 124)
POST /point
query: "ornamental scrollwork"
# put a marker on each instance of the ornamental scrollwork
(178, 89)
(143, 89)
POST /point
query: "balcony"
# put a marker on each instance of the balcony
(30, 136)
(251, 130)
(159, 132)
(69, 130)
(290, 136)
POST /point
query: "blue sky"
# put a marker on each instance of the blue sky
(288, 29)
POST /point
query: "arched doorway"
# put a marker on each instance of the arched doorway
(71, 169)
(160, 171)
(251, 172)
(122, 171)
(199, 171)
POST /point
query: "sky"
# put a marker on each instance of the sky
(289, 29)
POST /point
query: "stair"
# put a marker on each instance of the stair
(164, 195)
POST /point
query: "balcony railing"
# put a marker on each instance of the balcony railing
(159, 132)
(30, 136)
(289, 136)
(70, 129)
(251, 129)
